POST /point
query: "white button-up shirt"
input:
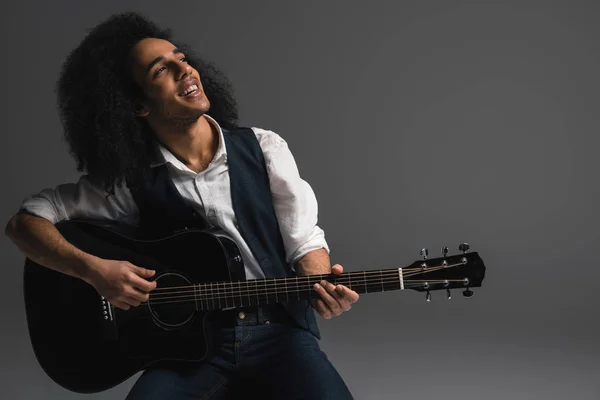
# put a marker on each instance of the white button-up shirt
(209, 193)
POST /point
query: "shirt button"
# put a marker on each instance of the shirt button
(241, 315)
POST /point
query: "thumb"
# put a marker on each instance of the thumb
(337, 269)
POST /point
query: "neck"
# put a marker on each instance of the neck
(194, 144)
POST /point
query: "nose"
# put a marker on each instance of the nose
(184, 70)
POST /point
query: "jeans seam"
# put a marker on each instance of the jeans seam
(214, 389)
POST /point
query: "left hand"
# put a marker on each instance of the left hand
(333, 299)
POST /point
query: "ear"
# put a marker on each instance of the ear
(140, 109)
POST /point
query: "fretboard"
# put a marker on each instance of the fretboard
(219, 295)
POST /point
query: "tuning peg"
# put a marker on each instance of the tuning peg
(428, 296)
(468, 292)
(464, 247)
(424, 253)
(444, 251)
(448, 294)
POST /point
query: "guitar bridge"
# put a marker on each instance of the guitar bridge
(106, 310)
(109, 328)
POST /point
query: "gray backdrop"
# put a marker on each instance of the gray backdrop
(418, 124)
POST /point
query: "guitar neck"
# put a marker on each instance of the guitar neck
(219, 295)
(437, 274)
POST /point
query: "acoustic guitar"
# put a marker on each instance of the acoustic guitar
(86, 345)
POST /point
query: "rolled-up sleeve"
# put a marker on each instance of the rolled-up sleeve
(81, 200)
(294, 200)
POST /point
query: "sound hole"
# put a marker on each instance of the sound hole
(172, 302)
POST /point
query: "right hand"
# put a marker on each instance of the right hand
(120, 282)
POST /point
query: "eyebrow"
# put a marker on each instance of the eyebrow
(159, 59)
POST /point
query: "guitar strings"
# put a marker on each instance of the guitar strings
(281, 282)
(391, 276)
(214, 300)
(224, 295)
(243, 287)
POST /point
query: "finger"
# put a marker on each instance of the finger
(334, 291)
(324, 289)
(322, 309)
(120, 305)
(344, 296)
(136, 295)
(347, 295)
(143, 272)
(141, 283)
(129, 300)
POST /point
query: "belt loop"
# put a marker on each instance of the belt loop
(259, 314)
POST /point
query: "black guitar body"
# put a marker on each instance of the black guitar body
(87, 345)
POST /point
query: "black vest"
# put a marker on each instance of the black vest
(163, 210)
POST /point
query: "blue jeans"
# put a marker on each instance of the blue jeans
(260, 355)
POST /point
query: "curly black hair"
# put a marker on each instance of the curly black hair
(97, 97)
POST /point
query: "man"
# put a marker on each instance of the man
(132, 103)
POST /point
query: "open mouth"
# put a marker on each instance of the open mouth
(189, 91)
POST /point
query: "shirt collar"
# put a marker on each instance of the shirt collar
(163, 155)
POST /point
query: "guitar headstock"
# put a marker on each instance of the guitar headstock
(461, 271)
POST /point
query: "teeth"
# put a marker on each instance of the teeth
(190, 90)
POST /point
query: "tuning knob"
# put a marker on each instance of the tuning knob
(464, 247)
(444, 251)
(448, 294)
(424, 253)
(428, 296)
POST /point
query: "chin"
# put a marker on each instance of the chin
(198, 112)
(202, 105)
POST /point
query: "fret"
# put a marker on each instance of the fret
(272, 295)
(298, 289)
(212, 296)
(225, 294)
(232, 292)
(280, 290)
(195, 297)
(216, 297)
(252, 293)
(373, 283)
(206, 295)
(266, 290)
(202, 295)
(261, 289)
(221, 295)
(243, 295)
(235, 295)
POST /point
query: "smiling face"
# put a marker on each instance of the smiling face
(172, 87)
